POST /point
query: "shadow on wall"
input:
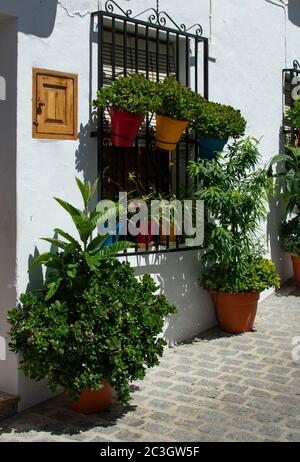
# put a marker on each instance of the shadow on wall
(85, 161)
(294, 12)
(86, 154)
(176, 274)
(36, 17)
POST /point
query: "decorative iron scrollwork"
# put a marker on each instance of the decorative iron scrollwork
(110, 8)
(155, 17)
(198, 31)
(296, 64)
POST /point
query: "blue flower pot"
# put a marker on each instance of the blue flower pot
(207, 147)
(112, 239)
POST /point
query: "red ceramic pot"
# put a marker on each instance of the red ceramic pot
(125, 127)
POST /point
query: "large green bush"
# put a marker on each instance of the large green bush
(93, 320)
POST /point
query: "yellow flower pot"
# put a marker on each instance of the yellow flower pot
(169, 131)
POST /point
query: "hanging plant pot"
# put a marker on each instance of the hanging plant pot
(296, 266)
(125, 127)
(209, 146)
(142, 238)
(169, 132)
(236, 312)
(113, 239)
(92, 402)
(163, 237)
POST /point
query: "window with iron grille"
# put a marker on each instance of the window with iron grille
(130, 45)
(289, 83)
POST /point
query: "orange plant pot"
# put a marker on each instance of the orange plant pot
(163, 237)
(93, 401)
(236, 312)
(296, 266)
(168, 132)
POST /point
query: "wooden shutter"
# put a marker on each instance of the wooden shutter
(54, 105)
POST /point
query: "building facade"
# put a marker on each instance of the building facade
(250, 43)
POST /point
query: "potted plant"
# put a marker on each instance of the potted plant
(290, 188)
(146, 237)
(291, 236)
(170, 219)
(235, 270)
(174, 112)
(128, 100)
(294, 116)
(215, 124)
(94, 325)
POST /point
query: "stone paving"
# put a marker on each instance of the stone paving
(218, 387)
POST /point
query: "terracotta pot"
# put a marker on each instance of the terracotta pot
(236, 312)
(168, 132)
(125, 127)
(296, 265)
(93, 401)
(172, 237)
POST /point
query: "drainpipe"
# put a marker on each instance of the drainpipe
(282, 4)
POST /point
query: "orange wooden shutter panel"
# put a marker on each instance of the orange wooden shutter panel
(55, 106)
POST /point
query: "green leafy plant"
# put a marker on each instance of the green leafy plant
(291, 236)
(291, 176)
(294, 115)
(218, 121)
(93, 320)
(134, 94)
(234, 194)
(176, 100)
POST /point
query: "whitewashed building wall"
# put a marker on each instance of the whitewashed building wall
(250, 43)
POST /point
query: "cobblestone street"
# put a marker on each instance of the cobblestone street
(218, 388)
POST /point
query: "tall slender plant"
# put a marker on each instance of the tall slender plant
(234, 193)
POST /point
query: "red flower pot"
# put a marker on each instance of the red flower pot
(125, 127)
(145, 234)
(296, 266)
(236, 312)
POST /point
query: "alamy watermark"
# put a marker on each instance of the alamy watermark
(181, 218)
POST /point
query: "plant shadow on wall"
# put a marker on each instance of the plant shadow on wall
(294, 12)
(172, 273)
(36, 17)
(86, 153)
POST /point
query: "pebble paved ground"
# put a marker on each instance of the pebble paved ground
(218, 387)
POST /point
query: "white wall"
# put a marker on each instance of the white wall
(249, 47)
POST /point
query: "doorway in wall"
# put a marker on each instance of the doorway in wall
(8, 142)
